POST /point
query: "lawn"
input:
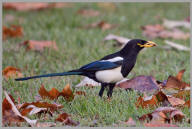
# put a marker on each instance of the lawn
(78, 46)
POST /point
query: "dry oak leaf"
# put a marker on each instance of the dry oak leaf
(176, 82)
(67, 93)
(26, 6)
(13, 31)
(88, 12)
(163, 115)
(175, 101)
(103, 25)
(129, 122)
(141, 83)
(48, 106)
(11, 113)
(12, 72)
(39, 45)
(159, 124)
(54, 93)
(153, 100)
(157, 30)
(66, 119)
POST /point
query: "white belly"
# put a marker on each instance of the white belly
(109, 76)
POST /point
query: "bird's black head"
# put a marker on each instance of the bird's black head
(135, 45)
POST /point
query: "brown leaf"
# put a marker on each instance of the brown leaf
(11, 113)
(52, 94)
(141, 83)
(153, 100)
(88, 12)
(158, 124)
(67, 93)
(65, 118)
(103, 25)
(39, 45)
(45, 124)
(164, 115)
(129, 122)
(176, 82)
(154, 31)
(176, 101)
(27, 6)
(38, 104)
(12, 72)
(31, 109)
(13, 31)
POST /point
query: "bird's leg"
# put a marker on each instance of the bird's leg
(110, 91)
(103, 85)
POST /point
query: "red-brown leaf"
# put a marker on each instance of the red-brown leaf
(12, 72)
(13, 31)
(40, 45)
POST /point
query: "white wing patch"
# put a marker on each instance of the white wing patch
(114, 59)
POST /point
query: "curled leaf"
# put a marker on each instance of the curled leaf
(12, 72)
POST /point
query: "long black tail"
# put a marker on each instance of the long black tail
(73, 72)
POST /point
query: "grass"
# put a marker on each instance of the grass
(80, 46)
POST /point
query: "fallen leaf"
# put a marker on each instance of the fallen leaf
(129, 122)
(66, 119)
(176, 82)
(164, 115)
(39, 45)
(103, 25)
(158, 124)
(31, 109)
(38, 104)
(13, 31)
(54, 93)
(67, 93)
(12, 72)
(177, 46)
(175, 101)
(120, 40)
(109, 6)
(141, 83)
(153, 100)
(173, 24)
(11, 113)
(88, 82)
(88, 12)
(27, 6)
(45, 124)
(154, 31)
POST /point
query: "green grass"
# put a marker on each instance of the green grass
(80, 46)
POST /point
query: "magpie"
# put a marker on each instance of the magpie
(108, 70)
